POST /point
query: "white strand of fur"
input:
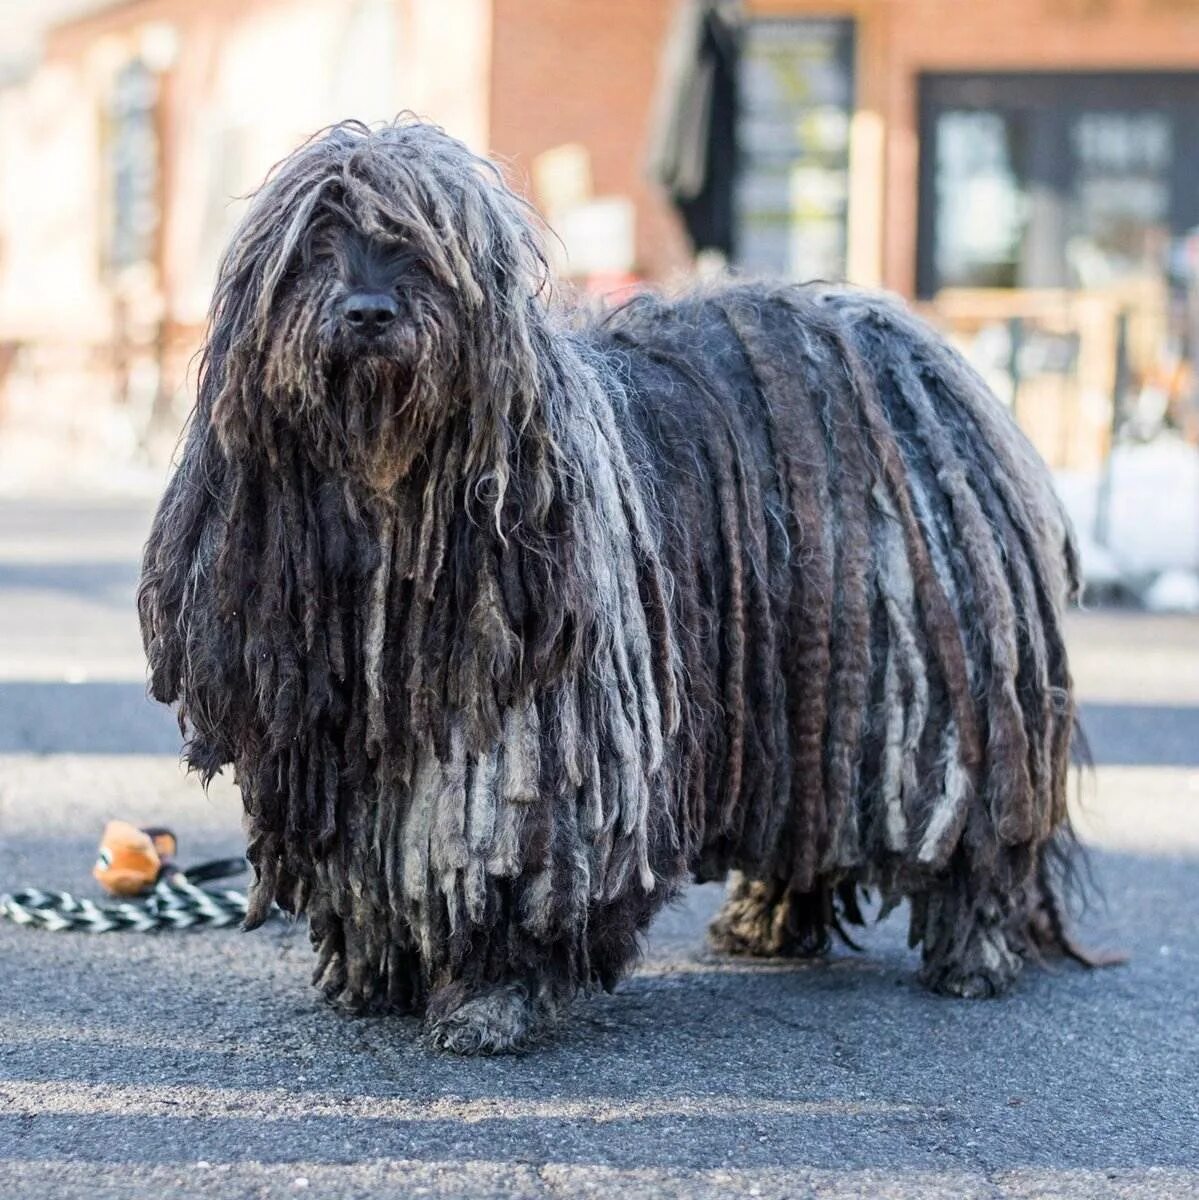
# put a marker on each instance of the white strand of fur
(480, 834)
(905, 721)
(376, 634)
(950, 807)
(522, 754)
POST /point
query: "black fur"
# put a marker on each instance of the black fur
(514, 620)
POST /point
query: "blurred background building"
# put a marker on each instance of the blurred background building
(1026, 170)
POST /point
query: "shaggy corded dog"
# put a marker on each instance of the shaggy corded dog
(512, 621)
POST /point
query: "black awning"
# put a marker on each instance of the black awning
(693, 144)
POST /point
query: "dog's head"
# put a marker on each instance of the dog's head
(381, 280)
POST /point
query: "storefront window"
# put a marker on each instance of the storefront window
(981, 210)
(1121, 205)
(795, 101)
(1054, 180)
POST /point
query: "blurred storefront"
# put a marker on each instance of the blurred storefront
(128, 142)
(1027, 170)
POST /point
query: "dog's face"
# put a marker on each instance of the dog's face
(373, 301)
(360, 321)
(381, 282)
(383, 301)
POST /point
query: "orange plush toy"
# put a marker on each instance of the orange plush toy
(137, 866)
(132, 860)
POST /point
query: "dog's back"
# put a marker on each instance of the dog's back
(869, 572)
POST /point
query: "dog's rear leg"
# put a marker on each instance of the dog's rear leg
(974, 937)
(769, 919)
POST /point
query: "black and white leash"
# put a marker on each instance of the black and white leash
(175, 902)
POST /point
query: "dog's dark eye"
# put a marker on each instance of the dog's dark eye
(408, 271)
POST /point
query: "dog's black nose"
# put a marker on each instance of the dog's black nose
(369, 313)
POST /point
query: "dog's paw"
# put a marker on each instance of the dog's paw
(988, 967)
(501, 1020)
(760, 920)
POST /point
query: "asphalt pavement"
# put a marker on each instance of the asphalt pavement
(203, 1065)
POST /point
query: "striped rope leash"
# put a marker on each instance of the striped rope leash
(175, 902)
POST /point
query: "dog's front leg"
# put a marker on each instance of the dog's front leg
(496, 1018)
(364, 967)
(506, 994)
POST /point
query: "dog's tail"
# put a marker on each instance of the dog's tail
(1065, 883)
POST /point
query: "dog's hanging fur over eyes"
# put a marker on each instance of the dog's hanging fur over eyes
(511, 621)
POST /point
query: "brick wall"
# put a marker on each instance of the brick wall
(585, 71)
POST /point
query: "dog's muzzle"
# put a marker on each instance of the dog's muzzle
(369, 315)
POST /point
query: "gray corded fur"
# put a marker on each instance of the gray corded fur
(515, 622)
